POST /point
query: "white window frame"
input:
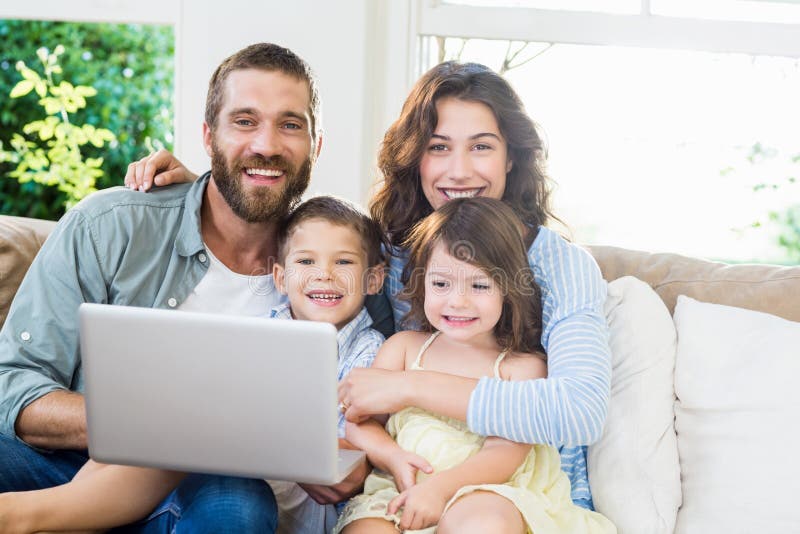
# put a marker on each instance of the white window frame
(433, 17)
(402, 24)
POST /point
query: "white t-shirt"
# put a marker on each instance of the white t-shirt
(224, 291)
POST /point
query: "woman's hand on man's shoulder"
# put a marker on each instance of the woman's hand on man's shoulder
(157, 169)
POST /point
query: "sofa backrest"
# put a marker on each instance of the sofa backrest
(768, 288)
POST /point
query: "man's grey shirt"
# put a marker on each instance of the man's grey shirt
(115, 247)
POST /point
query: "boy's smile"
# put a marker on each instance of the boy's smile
(325, 275)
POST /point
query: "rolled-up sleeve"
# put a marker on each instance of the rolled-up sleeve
(568, 408)
(39, 341)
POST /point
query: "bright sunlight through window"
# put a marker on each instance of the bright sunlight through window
(662, 150)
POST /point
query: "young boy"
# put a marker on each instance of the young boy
(329, 259)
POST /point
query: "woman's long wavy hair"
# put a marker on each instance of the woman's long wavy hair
(486, 233)
(399, 202)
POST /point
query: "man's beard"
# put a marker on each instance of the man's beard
(259, 204)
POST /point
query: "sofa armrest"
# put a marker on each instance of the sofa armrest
(20, 241)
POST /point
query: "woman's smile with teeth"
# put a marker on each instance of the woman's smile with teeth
(461, 193)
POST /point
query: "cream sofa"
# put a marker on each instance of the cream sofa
(642, 474)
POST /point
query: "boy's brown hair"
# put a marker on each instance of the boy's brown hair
(341, 213)
(486, 233)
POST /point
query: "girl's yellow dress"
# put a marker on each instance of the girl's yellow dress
(538, 488)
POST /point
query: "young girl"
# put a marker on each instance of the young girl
(463, 131)
(472, 294)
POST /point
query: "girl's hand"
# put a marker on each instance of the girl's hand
(422, 504)
(404, 466)
(371, 391)
(159, 168)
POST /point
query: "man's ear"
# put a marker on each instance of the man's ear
(279, 274)
(207, 138)
(375, 276)
(318, 148)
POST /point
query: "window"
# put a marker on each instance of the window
(685, 143)
(131, 67)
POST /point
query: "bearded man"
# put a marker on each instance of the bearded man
(206, 246)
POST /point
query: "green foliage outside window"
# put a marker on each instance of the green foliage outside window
(55, 158)
(132, 69)
(786, 221)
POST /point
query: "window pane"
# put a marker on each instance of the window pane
(596, 6)
(750, 11)
(663, 150)
(130, 66)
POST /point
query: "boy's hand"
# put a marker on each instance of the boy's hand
(404, 465)
(422, 504)
(350, 486)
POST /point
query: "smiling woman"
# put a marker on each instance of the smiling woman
(466, 155)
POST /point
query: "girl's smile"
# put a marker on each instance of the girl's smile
(461, 299)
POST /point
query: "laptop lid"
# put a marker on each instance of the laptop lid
(212, 393)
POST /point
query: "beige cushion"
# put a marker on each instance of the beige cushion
(20, 240)
(633, 467)
(765, 288)
(736, 419)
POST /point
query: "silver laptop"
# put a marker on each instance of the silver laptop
(212, 393)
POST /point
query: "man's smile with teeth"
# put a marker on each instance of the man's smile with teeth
(461, 193)
(264, 172)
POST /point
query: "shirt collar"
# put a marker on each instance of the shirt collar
(190, 240)
(345, 337)
(282, 311)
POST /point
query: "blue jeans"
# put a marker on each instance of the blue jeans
(201, 503)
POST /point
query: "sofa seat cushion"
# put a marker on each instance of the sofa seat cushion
(737, 409)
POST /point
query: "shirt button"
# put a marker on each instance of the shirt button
(25, 336)
(202, 257)
(172, 302)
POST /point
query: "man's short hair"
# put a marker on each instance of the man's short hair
(341, 213)
(269, 57)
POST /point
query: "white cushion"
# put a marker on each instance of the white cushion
(633, 468)
(737, 418)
